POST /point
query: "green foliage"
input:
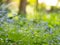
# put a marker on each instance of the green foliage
(38, 29)
(45, 31)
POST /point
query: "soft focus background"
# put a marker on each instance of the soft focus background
(29, 22)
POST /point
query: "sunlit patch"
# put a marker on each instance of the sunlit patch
(48, 16)
(32, 2)
(49, 2)
(13, 7)
(17, 1)
(48, 7)
(40, 1)
(29, 10)
(10, 15)
(58, 5)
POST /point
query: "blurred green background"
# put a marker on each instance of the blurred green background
(29, 22)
